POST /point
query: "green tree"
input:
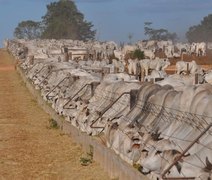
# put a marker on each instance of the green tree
(137, 54)
(64, 21)
(28, 30)
(158, 34)
(201, 32)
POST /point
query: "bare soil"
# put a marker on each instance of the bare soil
(204, 61)
(29, 148)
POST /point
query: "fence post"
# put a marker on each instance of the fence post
(187, 69)
(184, 152)
(31, 60)
(196, 79)
(93, 87)
(105, 70)
(70, 55)
(75, 78)
(133, 97)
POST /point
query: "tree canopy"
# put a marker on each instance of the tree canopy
(201, 32)
(28, 30)
(136, 54)
(62, 21)
(158, 34)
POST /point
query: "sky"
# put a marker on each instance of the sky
(113, 19)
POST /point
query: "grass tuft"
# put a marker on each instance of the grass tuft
(53, 124)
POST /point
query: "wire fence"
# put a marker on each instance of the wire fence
(160, 115)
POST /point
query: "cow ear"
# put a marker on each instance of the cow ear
(158, 152)
(178, 166)
(174, 152)
(141, 133)
(145, 151)
(208, 164)
(115, 126)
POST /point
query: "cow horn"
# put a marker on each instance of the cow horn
(178, 166)
(175, 152)
(156, 136)
(186, 155)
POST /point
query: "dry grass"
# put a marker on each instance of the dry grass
(29, 150)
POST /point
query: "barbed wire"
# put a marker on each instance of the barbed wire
(166, 114)
(183, 116)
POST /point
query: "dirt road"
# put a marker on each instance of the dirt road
(29, 149)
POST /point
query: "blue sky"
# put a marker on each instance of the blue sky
(113, 19)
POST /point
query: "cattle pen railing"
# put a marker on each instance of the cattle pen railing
(57, 86)
(168, 115)
(182, 154)
(108, 160)
(72, 97)
(199, 122)
(49, 74)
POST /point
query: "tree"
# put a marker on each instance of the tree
(158, 34)
(28, 30)
(137, 54)
(201, 32)
(64, 21)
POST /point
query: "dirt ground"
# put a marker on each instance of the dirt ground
(204, 61)
(29, 148)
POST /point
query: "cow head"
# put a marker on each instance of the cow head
(157, 161)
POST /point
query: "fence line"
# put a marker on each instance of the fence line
(166, 114)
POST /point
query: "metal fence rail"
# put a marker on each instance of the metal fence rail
(167, 115)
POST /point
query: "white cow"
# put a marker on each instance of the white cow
(133, 66)
(208, 77)
(158, 161)
(192, 67)
(157, 64)
(119, 65)
(128, 48)
(118, 54)
(201, 49)
(169, 51)
(149, 54)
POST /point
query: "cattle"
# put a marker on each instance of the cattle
(118, 54)
(145, 123)
(118, 65)
(190, 67)
(158, 161)
(149, 54)
(208, 77)
(133, 66)
(157, 64)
